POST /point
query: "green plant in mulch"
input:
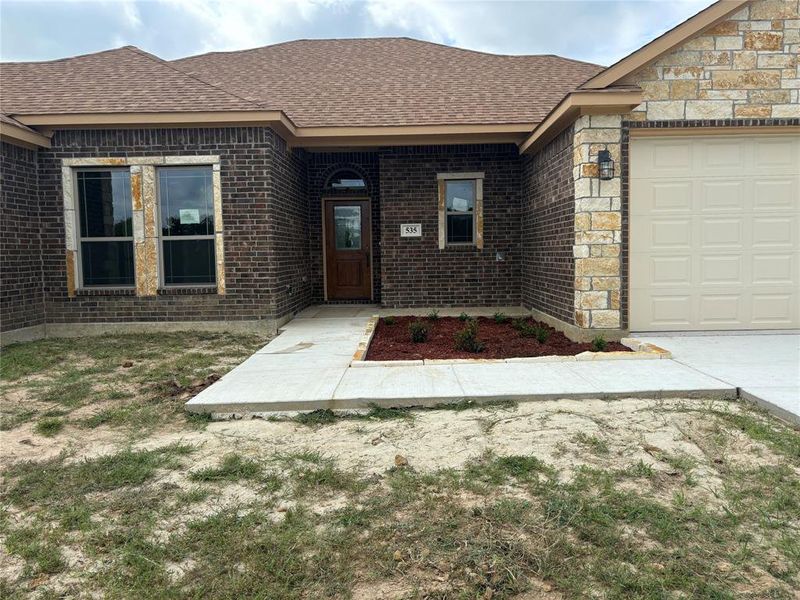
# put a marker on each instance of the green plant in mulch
(532, 329)
(541, 333)
(501, 318)
(464, 317)
(467, 339)
(433, 315)
(599, 344)
(389, 321)
(419, 331)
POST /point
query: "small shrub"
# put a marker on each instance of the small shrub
(49, 426)
(542, 334)
(433, 315)
(464, 317)
(389, 321)
(467, 339)
(419, 331)
(524, 327)
(500, 318)
(599, 344)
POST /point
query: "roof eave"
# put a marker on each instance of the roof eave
(581, 102)
(274, 118)
(304, 137)
(22, 136)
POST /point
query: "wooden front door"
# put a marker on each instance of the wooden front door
(348, 249)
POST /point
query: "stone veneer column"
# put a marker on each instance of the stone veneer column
(598, 224)
(145, 229)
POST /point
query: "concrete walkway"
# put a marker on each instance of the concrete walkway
(307, 367)
(765, 366)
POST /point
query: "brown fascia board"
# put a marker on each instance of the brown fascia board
(21, 136)
(581, 102)
(327, 137)
(296, 136)
(665, 43)
(274, 118)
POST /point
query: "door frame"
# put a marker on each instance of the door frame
(324, 208)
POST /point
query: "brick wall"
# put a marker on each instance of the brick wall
(287, 229)
(21, 298)
(547, 231)
(414, 271)
(321, 165)
(252, 218)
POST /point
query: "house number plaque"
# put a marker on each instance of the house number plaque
(411, 230)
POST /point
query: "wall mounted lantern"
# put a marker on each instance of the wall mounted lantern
(605, 164)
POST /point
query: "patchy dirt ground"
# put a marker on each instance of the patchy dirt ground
(625, 498)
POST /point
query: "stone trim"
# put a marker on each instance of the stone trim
(144, 205)
(442, 178)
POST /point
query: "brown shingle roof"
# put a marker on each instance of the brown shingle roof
(317, 83)
(122, 80)
(392, 81)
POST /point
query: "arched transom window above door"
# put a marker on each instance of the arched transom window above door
(345, 181)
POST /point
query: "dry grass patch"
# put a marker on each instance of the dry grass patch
(567, 499)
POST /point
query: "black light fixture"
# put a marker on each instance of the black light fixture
(605, 165)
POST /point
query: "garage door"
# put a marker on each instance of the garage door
(715, 233)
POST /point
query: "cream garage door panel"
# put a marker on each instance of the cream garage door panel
(715, 233)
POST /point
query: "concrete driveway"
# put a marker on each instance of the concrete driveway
(765, 366)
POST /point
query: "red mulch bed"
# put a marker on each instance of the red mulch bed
(501, 340)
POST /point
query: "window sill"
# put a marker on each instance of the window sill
(460, 247)
(199, 290)
(105, 292)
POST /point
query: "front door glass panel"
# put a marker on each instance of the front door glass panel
(347, 227)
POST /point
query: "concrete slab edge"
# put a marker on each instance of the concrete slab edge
(771, 408)
(276, 408)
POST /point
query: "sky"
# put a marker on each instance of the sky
(598, 31)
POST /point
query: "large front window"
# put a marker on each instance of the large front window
(105, 228)
(187, 225)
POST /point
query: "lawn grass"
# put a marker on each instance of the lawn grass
(136, 381)
(140, 518)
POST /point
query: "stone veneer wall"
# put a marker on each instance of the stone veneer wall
(747, 66)
(414, 271)
(21, 297)
(598, 224)
(252, 206)
(321, 165)
(744, 71)
(547, 232)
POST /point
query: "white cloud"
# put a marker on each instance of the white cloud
(236, 24)
(600, 31)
